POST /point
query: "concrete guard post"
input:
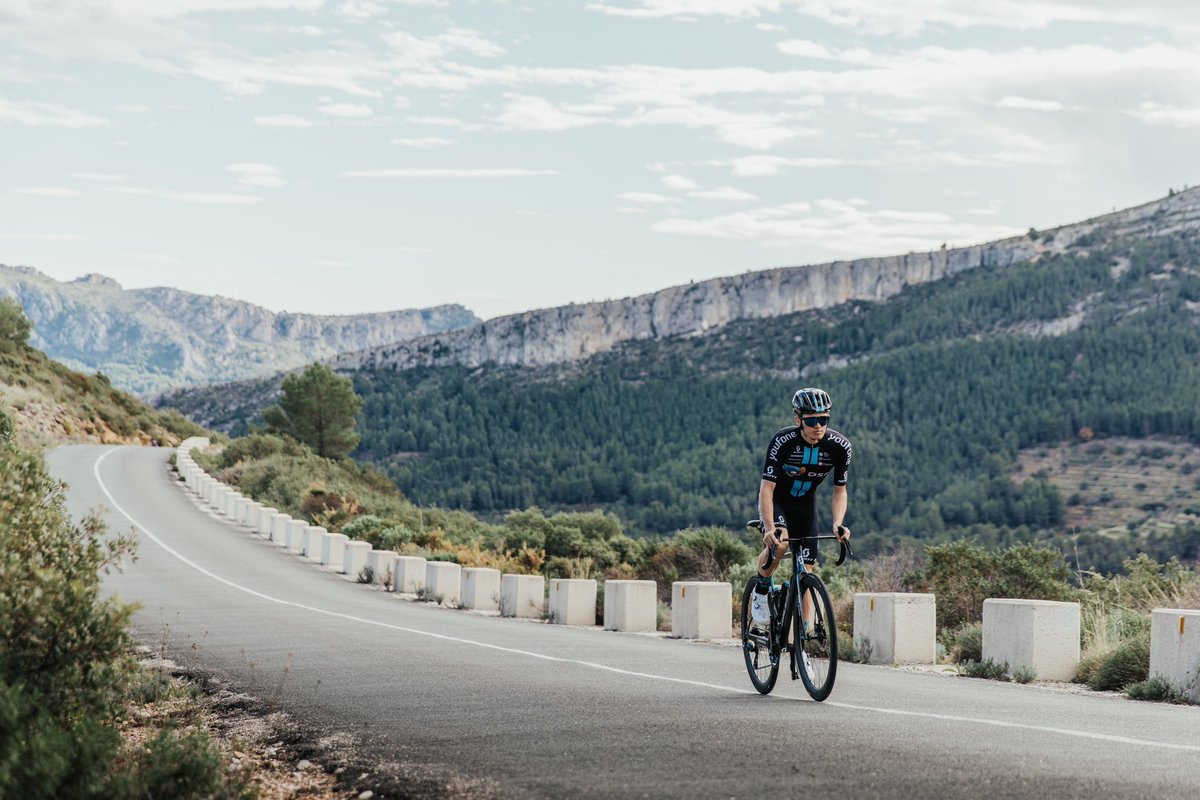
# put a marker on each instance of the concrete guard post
(314, 536)
(444, 579)
(382, 562)
(1042, 635)
(573, 601)
(240, 504)
(631, 606)
(333, 549)
(265, 517)
(408, 574)
(1175, 649)
(250, 515)
(354, 559)
(481, 589)
(208, 489)
(896, 627)
(295, 535)
(522, 596)
(701, 609)
(279, 525)
(229, 506)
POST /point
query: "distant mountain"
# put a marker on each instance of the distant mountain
(147, 340)
(572, 332)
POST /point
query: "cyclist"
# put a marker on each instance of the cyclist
(798, 459)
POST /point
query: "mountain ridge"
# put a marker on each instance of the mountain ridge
(149, 340)
(576, 331)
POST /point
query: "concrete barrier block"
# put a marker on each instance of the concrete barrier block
(333, 549)
(240, 505)
(383, 565)
(1042, 635)
(701, 609)
(277, 523)
(572, 601)
(630, 606)
(444, 579)
(265, 517)
(481, 589)
(408, 574)
(354, 558)
(229, 503)
(250, 515)
(314, 537)
(522, 596)
(895, 627)
(1175, 649)
(208, 489)
(295, 532)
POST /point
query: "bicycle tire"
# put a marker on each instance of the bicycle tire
(819, 669)
(763, 669)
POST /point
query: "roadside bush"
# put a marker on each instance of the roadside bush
(65, 674)
(964, 643)
(1127, 663)
(963, 575)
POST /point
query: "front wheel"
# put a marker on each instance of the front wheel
(762, 665)
(818, 662)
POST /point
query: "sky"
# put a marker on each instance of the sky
(346, 156)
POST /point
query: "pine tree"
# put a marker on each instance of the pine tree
(318, 408)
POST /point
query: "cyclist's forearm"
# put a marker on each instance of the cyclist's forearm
(841, 499)
(766, 504)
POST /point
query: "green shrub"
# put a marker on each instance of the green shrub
(963, 575)
(964, 643)
(1024, 675)
(985, 669)
(183, 765)
(1128, 663)
(1153, 689)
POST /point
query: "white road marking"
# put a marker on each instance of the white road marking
(1126, 740)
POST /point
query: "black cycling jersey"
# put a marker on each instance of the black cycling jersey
(797, 467)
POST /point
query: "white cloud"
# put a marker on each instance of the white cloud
(257, 175)
(360, 9)
(1015, 101)
(134, 109)
(46, 115)
(1158, 114)
(286, 121)
(415, 52)
(841, 226)
(207, 198)
(908, 17)
(647, 198)
(442, 122)
(48, 191)
(679, 183)
(760, 166)
(424, 142)
(539, 114)
(346, 110)
(729, 193)
(449, 172)
(333, 264)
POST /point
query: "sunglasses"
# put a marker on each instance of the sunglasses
(813, 422)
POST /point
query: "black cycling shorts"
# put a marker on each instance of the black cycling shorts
(801, 524)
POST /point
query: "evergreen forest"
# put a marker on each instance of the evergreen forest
(938, 388)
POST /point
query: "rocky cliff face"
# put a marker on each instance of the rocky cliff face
(147, 340)
(566, 333)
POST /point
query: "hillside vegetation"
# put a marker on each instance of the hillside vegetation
(48, 404)
(940, 389)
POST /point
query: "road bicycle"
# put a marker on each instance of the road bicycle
(812, 650)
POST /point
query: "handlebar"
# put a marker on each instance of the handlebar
(845, 546)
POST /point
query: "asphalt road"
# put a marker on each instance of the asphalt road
(549, 711)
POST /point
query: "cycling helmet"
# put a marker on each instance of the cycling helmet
(811, 401)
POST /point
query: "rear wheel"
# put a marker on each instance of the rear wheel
(756, 647)
(818, 662)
